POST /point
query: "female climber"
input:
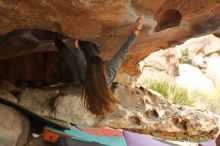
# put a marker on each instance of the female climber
(95, 74)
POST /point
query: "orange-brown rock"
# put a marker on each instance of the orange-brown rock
(109, 22)
(217, 34)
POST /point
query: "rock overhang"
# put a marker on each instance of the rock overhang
(167, 22)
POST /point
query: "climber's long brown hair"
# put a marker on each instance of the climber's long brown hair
(97, 95)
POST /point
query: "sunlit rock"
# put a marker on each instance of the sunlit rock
(213, 69)
(193, 79)
(199, 49)
(152, 114)
(202, 45)
(159, 64)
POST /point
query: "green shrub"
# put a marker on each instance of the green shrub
(185, 58)
(171, 91)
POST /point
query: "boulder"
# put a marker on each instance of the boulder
(193, 79)
(163, 60)
(199, 61)
(7, 86)
(151, 114)
(205, 45)
(158, 64)
(14, 127)
(38, 100)
(65, 104)
(8, 96)
(69, 107)
(213, 70)
(140, 110)
(125, 78)
(199, 49)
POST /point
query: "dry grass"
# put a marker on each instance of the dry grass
(171, 91)
(167, 87)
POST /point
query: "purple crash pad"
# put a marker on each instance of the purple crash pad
(208, 143)
(134, 139)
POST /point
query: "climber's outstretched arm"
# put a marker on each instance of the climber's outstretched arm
(115, 63)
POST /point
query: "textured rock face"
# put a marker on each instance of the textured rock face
(69, 107)
(14, 127)
(167, 23)
(40, 101)
(158, 64)
(141, 110)
(199, 49)
(203, 53)
(150, 113)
